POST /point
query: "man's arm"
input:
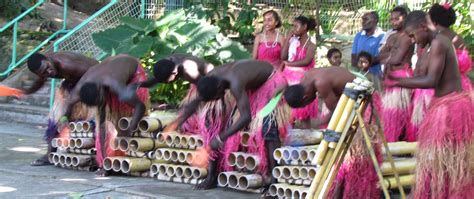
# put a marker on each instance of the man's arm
(308, 58)
(128, 95)
(243, 105)
(436, 61)
(36, 86)
(188, 110)
(330, 100)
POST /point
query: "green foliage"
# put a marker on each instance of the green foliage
(244, 23)
(12, 8)
(329, 16)
(175, 32)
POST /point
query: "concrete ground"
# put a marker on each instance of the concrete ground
(22, 143)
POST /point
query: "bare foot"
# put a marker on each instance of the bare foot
(102, 172)
(208, 183)
(42, 161)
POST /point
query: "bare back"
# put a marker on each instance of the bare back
(245, 74)
(71, 66)
(443, 65)
(118, 69)
(191, 68)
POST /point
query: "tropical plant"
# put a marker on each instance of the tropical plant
(175, 32)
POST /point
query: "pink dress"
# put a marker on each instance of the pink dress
(294, 75)
(465, 65)
(267, 52)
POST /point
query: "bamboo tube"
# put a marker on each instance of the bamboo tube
(272, 190)
(79, 127)
(405, 180)
(54, 143)
(135, 165)
(183, 142)
(144, 144)
(124, 144)
(251, 162)
(50, 157)
(116, 164)
(278, 154)
(286, 172)
(322, 149)
(303, 173)
(114, 143)
(170, 139)
(200, 143)
(81, 160)
(174, 156)
(250, 181)
(182, 157)
(62, 159)
(86, 126)
(192, 142)
(56, 158)
(305, 182)
(401, 148)
(294, 154)
(199, 173)
(138, 154)
(178, 180)
(288, 192)
(244, 138)
(154, 170)
(295, 172)
(277, 172)
(124, 123)
(223, 179)
(286, 154)
(167, 155)
(303, 155)
(82, 151)
(159, 154)
(84, 143)
(298, 137)
(170, 170)
(72, 142)
(403, 166)
(179, 172)
(139, 174)
(162, 169)
(188, 173)
(140, 134)
(72, 126)
(234, 179)
(176, 141)
(232, 159)
(240, 161)
(148, 124)
(68, 161)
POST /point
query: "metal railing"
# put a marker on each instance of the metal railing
(15, 62)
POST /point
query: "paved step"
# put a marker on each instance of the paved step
(37, 115)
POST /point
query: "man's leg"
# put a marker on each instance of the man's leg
(211, 179)
(102, 134)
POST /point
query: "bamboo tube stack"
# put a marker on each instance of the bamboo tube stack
(295, 169)
(139, 149)
(77, 149)
(404, 164)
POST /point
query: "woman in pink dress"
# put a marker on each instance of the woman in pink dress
(299, 52)
(268, 43)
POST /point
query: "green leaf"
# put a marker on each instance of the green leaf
(201, 37)
(111, 39)
(141, 48)
(170, 18)
(142, 25)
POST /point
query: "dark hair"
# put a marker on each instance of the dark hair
(89, 94)
(442, 15)
(365, 54)
(309, 22)
(375, 15)
(34, 62)
(332, 51)
(294, 96)
(207, 87)
(415, 18)
(400, 9)
(275, 16)
(163, 69)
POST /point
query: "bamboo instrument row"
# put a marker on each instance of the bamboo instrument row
(281, 190)
(127, 164)
(71, 160)
(82, 143)
(136, 144)
(295, 155)
(405, 181)
(294, 172)
(90, 151)
(403, 166)
(401, 148)
(81, 126)
(182, 156)
(146, 124)
(243, 161)
(241, 181)
(178, 171)
(178, 140)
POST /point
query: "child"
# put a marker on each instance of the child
(334, 56)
